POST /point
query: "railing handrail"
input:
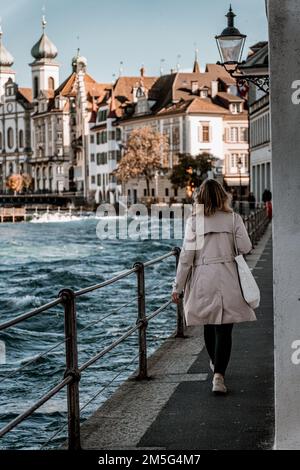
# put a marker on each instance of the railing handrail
(86, 290)
(73, 372)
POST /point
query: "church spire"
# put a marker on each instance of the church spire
(196, 68)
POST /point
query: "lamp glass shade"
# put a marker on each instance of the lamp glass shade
(231, 48)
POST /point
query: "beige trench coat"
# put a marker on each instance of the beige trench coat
(208, 276)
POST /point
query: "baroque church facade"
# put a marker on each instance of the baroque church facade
(44, 130)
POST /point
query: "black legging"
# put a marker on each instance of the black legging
(218, 343)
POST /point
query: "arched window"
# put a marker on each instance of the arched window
(21, 138)
(35, 87)
(10, 137)
(51, 83)
(1, 140)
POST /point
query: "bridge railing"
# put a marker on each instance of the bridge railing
(67, 299)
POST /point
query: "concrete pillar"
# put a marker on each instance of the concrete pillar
(284, 24)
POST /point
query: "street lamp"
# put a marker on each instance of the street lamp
(239, 166)
(231, 45)
(231, 42)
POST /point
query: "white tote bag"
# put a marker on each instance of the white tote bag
(248, 284)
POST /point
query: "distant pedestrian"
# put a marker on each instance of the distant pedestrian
(267, 196)
(252, 201)
(209, 278)
(269, 210)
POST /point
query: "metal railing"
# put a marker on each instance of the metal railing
(256, 223)
(67, 299)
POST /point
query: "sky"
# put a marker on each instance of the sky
(136, 32)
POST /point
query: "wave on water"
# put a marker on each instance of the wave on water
(53, 218)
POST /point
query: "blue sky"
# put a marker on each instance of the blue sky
(133, 31)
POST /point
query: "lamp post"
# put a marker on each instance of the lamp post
(231, 45)
(239, 166)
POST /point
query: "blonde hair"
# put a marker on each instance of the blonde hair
(213, 196)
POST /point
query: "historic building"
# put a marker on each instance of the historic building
(15, 121)
(257, 64)
(199, 112)
(61, 117)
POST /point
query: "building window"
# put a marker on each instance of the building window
(145, 192)
(167, 192)
(195, 86)
(175, 192)
(10, 137)
(1, 140)
(118, 134)
(233, 160)
(98, 180)
(153, 192)
(51, 84)
(119, 155)
(92, 157)
(235, 108)
(92, 139)
(204, 93)
(93, 179)
(234, 134)
(244, 134)
(102, 115)
(35, 87)
(205, 134)
(21, 138)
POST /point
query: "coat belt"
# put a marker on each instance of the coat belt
(215, 260)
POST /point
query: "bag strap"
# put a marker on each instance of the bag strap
(233, 234)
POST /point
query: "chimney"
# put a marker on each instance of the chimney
(142, 71)
(214, 88)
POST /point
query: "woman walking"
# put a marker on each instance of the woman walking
(208, 275)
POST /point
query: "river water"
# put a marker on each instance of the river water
(37, 260)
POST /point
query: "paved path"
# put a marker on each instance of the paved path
(176, 409)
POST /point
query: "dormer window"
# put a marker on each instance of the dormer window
(140, 92)
(195, 87)
(102, 115)
(236, 108)
(204, 93)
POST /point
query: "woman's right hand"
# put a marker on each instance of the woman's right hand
(175, 297)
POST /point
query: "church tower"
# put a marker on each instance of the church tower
(45, 70)
(6, 62)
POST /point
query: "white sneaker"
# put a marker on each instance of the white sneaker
(211, 366)
(218, 384)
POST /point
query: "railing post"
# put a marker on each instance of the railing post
(142, 320)
(180, 312)
(68, 298)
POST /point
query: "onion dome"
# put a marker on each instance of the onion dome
(6, 59)
(44, 48)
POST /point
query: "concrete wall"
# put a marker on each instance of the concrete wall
(284, 23)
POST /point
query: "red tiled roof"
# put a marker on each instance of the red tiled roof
(26, 93)
(229, 97)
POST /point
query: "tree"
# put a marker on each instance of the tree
(191, 171)
(18, 182)
(145, 151)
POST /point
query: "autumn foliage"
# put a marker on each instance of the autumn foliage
(146, 152)
(17, 183)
